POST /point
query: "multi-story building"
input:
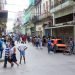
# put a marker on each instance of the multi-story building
(28, 16)
(3, 17)
(63, 18)
(43, 17)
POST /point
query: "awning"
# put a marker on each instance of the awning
(59, 26)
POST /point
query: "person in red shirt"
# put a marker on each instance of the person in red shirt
(24, 39)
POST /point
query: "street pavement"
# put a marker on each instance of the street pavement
(39, 62)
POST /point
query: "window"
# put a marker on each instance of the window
(51, 4)
(60, 42)
(46, 6)
(40, 8)
(65, 18)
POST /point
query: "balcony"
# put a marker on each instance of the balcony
(34, 19)
(45, 15)
(62, 5)
(3, 16)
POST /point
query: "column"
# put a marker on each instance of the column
(74, 32)
(74, 37)
(51, 32)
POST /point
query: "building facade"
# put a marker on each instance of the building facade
(28, 16)
(63, 19)
(3, 17)
(18, 24)
(44, 17)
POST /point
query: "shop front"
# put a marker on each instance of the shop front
(64, 32)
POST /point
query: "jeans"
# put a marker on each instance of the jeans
(1, 54)
(5, 61)
(49, 49)
(71, 50)
(37, 44)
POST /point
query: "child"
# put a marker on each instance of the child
(7, 55)
(22, 49)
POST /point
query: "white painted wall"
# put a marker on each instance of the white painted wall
(64, 12)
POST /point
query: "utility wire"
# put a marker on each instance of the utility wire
(10, 4)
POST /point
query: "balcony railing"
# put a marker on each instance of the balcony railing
(44, 15)
(59, 3)
(34, 19)
(38, 18)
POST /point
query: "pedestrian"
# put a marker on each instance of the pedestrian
(44, 41)
(33, 41)
(40, 42)
(49, 45)
(24, 39)
(1, 48)
(7, 56)
(22, 49)
(13, 54)
(37, 41)
(71, 45)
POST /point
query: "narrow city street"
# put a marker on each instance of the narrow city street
(39, 62)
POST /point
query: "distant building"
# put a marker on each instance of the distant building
(18, 23)
(3, 17)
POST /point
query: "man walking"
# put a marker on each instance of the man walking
(71, 45)
(49, 45)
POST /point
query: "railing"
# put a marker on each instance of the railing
(59, 3)
(34, 19)
(38, 18)
(44, 15)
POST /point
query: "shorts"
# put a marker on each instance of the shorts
(13, 58)
(22, 53)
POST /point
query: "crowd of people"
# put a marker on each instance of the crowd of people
(7, 45)
(44, 41)
(37, 41)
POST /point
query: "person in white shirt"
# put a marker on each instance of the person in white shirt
(22, 49)
(13, 55)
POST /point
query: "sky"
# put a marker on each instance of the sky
(13, 6)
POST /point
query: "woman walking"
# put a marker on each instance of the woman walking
(13, 53)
